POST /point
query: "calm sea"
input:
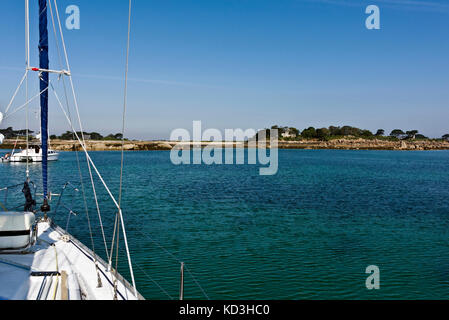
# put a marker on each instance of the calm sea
(309, 232)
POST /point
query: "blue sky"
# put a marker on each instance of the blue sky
(246, 64)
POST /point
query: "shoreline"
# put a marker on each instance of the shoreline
(337, 144)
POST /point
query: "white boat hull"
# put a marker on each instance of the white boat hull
(59, 267)
(32, 156)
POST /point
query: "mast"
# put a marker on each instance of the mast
(27, 58)
(44, 78)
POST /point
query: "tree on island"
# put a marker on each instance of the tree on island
(412, 134)
(295, 132)
(280, 130)
(65, 136)
(446, 137)
(322, 133)
(69, 135)
(367, 134)
(309, 133)
(10, 133)
(397, 133)
(421, 137)
(335, 131)
(263, 135)
(117, 136)
(96, 136)
(350, 131)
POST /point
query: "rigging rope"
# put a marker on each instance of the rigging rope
(88, 158)
(15, 145)
(102, 181)
(123, 136)
(77, 157)
(25, 105)
(125, 103)
(15, 93)
(113, 242)
(89, 161)
(179, 261)
(155, 282)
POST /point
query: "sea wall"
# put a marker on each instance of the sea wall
(365, 144)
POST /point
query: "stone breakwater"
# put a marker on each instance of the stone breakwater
(364, 144)
(340, 144)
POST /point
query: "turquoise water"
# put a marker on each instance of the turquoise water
(307, 233)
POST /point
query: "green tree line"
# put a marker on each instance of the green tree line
(88, 136)
(333, 132)
(10, 133)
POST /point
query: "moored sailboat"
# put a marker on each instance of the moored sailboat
(32, 154)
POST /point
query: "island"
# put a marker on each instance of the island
(337, 138)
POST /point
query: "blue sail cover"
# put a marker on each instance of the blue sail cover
(44, 64)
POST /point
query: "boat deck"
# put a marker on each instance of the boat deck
(58, 267)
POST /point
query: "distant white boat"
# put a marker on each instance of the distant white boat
(31, 155)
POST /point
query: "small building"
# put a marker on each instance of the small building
(289, 134)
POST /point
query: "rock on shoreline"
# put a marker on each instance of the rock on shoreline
(364, 144)
(338, 144)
